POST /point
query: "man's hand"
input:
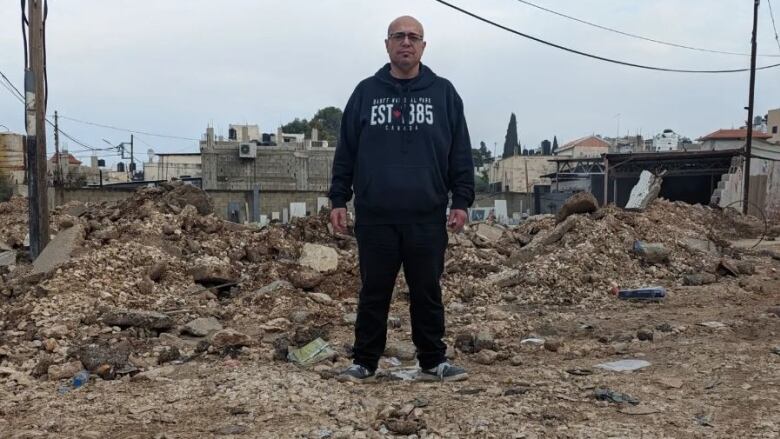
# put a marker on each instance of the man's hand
(457, 220)
(338, 219)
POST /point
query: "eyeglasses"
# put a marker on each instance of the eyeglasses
(399, 37)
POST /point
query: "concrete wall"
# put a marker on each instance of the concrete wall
(168, 167)
(12, 158)
(515, 202)
(764, 188)
(511, 172)
(272, 201)
(583, 151)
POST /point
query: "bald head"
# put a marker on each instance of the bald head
(405, 23)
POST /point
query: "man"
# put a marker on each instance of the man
(403, 147)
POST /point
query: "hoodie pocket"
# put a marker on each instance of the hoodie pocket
(405, 188)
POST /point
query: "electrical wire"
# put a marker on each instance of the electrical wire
(590, 55)
(129, 130)
(774, 25)
(640, 37)
(15, 91)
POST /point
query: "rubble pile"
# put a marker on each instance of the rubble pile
(157, 285)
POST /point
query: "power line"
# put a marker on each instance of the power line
(590, 55)
(129, 130)
(640, 37)
(774, 25)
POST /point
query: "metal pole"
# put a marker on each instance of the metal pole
(606, 181)
(35, 112)
(749, 144)
(132, 160)
(58, 175)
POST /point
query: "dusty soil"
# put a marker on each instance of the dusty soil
(718, 380)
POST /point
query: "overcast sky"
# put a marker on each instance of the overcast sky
(173, 67)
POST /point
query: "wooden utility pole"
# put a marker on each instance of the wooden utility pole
(58, 172)
(752, 92)
(35, 106)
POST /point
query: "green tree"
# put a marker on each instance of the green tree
(511, 141)
(327, 121)
(481, 156)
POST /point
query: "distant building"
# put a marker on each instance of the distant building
(281, 161)
(666, 141)
(520, 173)
(173, 166)
(731, 139)
(590, 146)
(773, 125)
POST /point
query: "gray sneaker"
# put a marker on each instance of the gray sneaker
(356, 374)
(443, 372)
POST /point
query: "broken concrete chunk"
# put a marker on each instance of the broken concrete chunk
(505, 279)
(727, 268)
(229, 338)
(624, 365)
(94, 355)
(7, 258)
(645, 191)
(319, 257)
(321, 298)
(63, 371)
(305, 279)
(698, 279)
(581, 202)
(403, 350)
(202, 327)
(489, 233)
(274, 287)
(59, 250)
(211, 271)
(653, 253)
(137, 318)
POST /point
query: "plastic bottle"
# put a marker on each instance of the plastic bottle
(649, 293)
(80, 379)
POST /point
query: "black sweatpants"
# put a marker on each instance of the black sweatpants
(382, 249)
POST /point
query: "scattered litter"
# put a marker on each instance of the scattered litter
(314, 352)
(638, 410)
(624, 365)
(654, 253)
(644, 294)
(704, 419)
(613, 396)
(578, 371)
(78, 380)
(533, 341)
(403, 373)
(713, 325)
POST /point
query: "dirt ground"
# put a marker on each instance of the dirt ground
(714, 350)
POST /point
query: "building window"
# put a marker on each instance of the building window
(774, 129)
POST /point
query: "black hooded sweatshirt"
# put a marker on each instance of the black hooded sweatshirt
(403, 147)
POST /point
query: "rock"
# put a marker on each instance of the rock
(275, 287)
(304, 335)
(106, 235)
(505, 279)
(50, 345)
(145, 286)
(516, 360)
(94, 355)
(210, 271)
(645, 335)
(486, 357)
(321, 298)
(581, 202)
(350, 319)
(157, 271)
(305, 279)
(59, 250)
(727, 268)
(257, 253)
(169, 229)
(552, 345)
(404, 351)
(393, 322)
(700, 245)
(187, 194)
(63, 371)
(645, 191)
(319, 257)
(202, 326)
(489, 233)
(56, 331)
(698, 279)
(137, 318)
(653, 253)
(746, 267)
(664, 327)
(300, 316)
(229, 338)
(484, 340)
(7, 258)
(42, 366)
(168, 354)
(167, 339)
(466, 343)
